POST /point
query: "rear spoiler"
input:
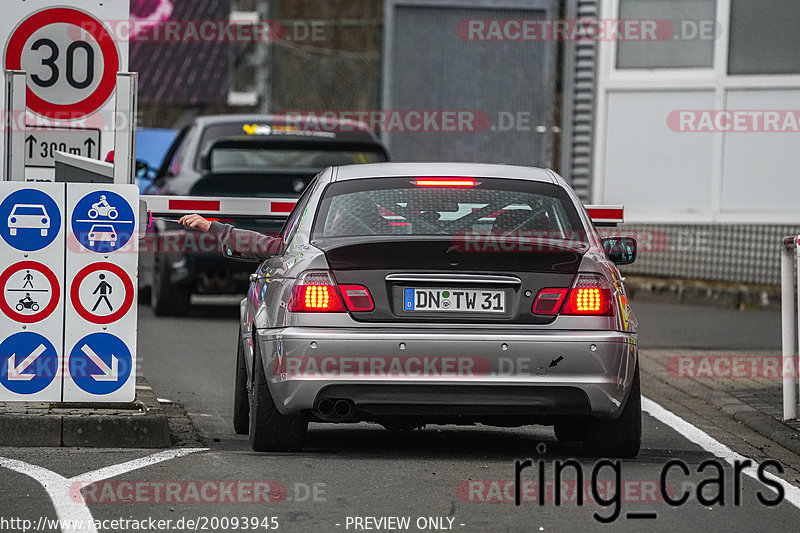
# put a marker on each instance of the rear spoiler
(606, 215)
(176, 206)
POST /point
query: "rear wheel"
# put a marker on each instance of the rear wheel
(270, 431)
(570, 429)
(241, 405)
(621, 437)
(167, 298)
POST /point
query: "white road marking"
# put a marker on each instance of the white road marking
(65, 493)
(711, 445)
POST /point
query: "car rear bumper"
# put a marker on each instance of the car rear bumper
(404, 371)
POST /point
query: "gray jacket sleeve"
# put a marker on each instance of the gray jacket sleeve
(246, 242)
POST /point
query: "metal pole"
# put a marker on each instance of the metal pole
(125, 128)
(788, 324)
(14, 124)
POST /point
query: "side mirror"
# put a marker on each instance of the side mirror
(620, 250)
(230, 253)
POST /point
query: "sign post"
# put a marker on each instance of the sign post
(32, 238)
(14, 134)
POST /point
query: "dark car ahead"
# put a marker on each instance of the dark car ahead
(237, 156)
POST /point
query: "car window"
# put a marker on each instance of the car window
(34, 210)
(293, 222)
(259, 159)
(433, 206)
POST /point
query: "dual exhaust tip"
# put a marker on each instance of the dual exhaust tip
(329, 409)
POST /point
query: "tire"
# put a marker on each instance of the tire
(167, 298)
(12, 231)
(621, 437)
(34, 307)
(241, 403)
(113, 214)
(20, 307)
(270, 431)
(93, 210)
(570, 429)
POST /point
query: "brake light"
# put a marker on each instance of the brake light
(548, 301)
(315, 292)
(589, 296)
(444, 182)
(357, 298)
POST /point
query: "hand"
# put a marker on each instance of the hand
(195, 221)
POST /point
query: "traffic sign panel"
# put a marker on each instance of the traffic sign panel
(29, 219)
(71, 59)
(103, 221)
(41, 144)
(31, 292)
(100, 363)
(28, 363)
(102, 293)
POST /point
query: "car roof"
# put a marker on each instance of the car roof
(475, 170)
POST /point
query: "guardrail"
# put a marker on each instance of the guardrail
(790, 327)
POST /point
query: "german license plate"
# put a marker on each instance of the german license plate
(454, 300)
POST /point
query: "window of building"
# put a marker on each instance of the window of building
(689, 43)
(764, 38)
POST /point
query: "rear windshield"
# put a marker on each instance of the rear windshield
(401, 206)
(258, 159)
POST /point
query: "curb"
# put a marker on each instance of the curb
(696, 292)
(755, 419)
(139, 424)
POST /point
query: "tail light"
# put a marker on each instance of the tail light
(448, 181)
(548, 301)
(357, 298)
(590, 295)
(317, 292)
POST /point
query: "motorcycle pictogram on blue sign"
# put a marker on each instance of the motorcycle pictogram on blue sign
(103, 221)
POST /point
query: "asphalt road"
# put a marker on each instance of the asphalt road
(441, 477)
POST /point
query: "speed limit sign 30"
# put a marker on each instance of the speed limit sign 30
(71, 60)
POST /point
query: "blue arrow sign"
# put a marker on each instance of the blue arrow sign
(29, 220)
(100, 363)
(103, 221)
(28, 363)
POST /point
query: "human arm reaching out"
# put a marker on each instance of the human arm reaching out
(242, 241)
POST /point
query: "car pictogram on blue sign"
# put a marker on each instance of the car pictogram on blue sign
(29, 220)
